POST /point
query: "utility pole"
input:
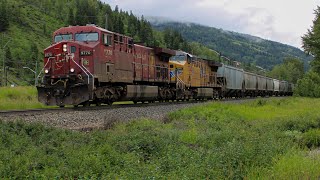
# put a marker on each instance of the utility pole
(4, 57)
(35, 74)
(7, 68)
(106, 25)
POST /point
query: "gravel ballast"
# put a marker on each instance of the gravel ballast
(104, 118)
(95, 119)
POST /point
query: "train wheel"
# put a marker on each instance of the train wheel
(109, 102)
(86, 104)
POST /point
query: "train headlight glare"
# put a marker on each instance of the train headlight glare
(46, 71)
(72, 70)
(64, 48)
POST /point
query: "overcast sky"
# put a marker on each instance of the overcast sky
(279, 20)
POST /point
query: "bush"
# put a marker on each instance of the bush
(292, 165)
(311, 138)
(309, 85)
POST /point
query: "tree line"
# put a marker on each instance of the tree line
(240, 47)
(37, 19)
(309, 85)
(4, 16)
(41, 17)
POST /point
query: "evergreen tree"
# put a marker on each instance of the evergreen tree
(109, 14)
(311, 43)
(44, 29)
(92, 12)
(82, 13)
(71, 17)
(146, 33)
(34, 52)
(131, 24)
(4, 16)
(120, 25)
(8, 58)
(78, 17)
(116, 9)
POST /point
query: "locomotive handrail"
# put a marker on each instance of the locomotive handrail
(80, 68)
(181, 82)
(90, 74)
(43, 68)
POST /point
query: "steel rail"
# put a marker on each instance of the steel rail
(27, 112)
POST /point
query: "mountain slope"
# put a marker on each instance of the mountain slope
(32, 22)
(28, 34)
(240, 47)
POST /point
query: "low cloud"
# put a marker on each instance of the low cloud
(233, 15)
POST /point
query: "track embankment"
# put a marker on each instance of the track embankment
(102, 117)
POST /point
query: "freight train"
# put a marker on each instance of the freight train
(91, 65)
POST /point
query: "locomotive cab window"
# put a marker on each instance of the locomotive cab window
(87, 37)
(107, 40)
(116, 38)
(62, 37)
(177, 58)
(130, 42)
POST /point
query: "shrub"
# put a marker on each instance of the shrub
(309, 85)
(311, 138)
(294, 164)
(299, 123)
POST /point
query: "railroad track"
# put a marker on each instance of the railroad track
(106, 107)
(91, 108)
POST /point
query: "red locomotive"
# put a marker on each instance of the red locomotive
(89, 64)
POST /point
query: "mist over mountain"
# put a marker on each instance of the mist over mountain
(237, 46)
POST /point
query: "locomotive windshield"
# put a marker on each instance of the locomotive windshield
(87, 37)
(62, 37)
(178, 58)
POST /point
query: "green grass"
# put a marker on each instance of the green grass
(263, 139)
(293, 165)
(25, 97)
(21, 97)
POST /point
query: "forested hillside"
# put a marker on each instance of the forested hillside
(26, 27)
(240, 47)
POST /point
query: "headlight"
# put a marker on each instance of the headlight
(64, 48)
(72, 70)
(46, 71)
